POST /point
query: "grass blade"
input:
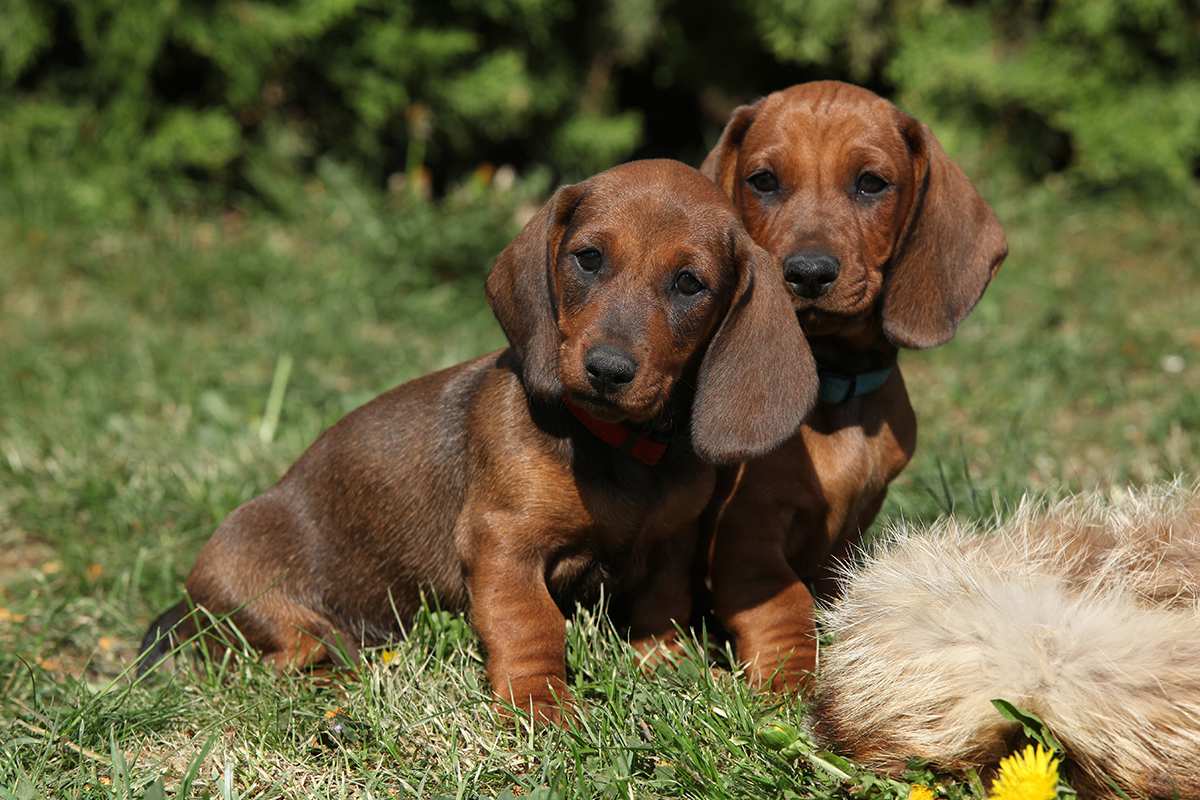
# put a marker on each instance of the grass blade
(279, 382)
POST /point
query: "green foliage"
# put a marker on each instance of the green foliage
(591, 142)
(1031, 725)
(204, 139)
(841, 36)
(144, 100)
(186, 89)
(26, 31)
(1108, 89)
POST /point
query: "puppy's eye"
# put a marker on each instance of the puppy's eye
(687, 283)
(869, 184)
(764, 181)
(588, 259)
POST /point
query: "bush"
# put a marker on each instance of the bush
(123, 99)
(1108, 90)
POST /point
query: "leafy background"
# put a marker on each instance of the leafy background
(149, 101)
(224, 224)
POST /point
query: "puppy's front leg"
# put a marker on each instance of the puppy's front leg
(522, 629)
(664, 601)
(763, 603)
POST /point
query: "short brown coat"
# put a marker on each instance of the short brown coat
(476, 487)
(914, 260)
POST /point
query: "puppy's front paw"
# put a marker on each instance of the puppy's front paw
(543, 697)
(655, 651)
(776, 669)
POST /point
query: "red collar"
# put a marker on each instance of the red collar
(641, 446)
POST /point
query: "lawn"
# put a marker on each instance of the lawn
(157, 372)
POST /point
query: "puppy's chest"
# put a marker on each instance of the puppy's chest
(845, 461)
(621, 511)
(624, 520)
(858, 447)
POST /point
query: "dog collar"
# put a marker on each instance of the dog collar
(647, 448)
(836, 387)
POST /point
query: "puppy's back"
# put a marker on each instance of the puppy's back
(363, 523)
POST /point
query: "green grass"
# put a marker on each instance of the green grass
(136, 410)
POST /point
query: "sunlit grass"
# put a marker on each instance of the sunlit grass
(138, 364)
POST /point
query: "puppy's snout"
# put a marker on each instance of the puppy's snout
(608, 368)
(810, 274)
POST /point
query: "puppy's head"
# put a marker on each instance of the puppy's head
(640, 279)
(858, 202)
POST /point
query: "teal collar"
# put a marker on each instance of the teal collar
(836, 387)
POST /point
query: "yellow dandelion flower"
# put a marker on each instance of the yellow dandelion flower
(388, 656)
(1028, 775)
(919, 792)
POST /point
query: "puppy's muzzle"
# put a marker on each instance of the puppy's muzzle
(810, 274)
(609, 369)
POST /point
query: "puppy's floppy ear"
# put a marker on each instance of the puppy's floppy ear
(720, 165)
(520, 290)
(757, 381)
(952, 246)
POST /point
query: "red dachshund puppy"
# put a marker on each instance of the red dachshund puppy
(646, 330)
(884, 244)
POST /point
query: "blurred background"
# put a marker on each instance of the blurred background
(223, 224)
(146, 102)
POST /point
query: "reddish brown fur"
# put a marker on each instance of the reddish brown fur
(475, 485)
(914, 261)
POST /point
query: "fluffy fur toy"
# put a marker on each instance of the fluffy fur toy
(1086, 613)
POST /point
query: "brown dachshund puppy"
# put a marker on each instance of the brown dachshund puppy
(884, 244)
(646, 330)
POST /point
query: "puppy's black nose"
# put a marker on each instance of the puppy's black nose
(810, 274)
(608, 368)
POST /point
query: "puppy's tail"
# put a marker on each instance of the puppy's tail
(164, 634)
(1053, 613)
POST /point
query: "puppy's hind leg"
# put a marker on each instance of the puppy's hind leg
(253, 573)
(302, 638)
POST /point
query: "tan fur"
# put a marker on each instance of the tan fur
(480, 487)
(910, 263)
(1085, 613)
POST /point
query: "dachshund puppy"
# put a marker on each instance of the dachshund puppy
(645, 330)
(884, 244)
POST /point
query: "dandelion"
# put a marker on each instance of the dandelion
(919, 792)
(1028, 775)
